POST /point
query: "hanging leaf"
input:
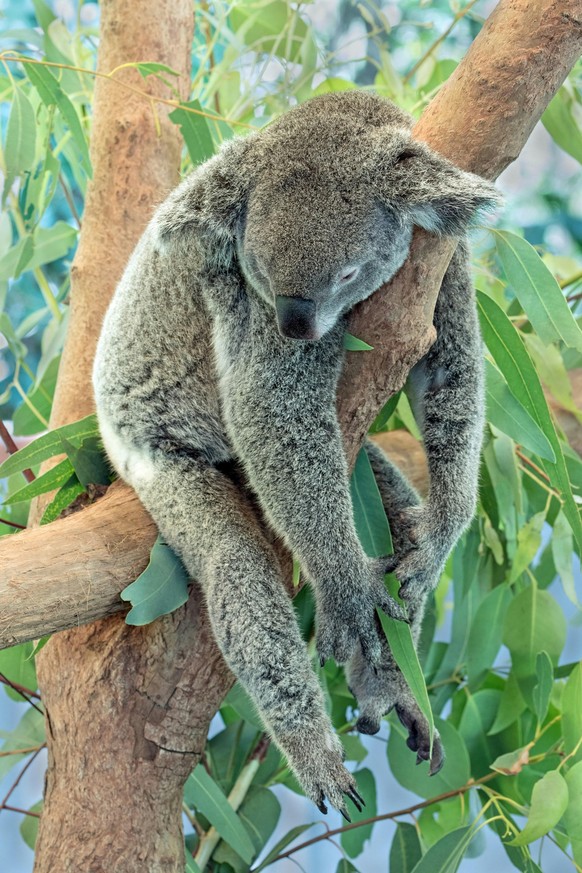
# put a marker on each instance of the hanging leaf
(446, 855)
(563, 553)
(353, 344)
(206, 797)
(405, 851)
(513, 360)
(20, 144)
(289, 837)
(160, 589)
(385, 413)
(534, 622)
(456, 770)
(51, 94)
(542, 691)
(572, 713)
(559, 121)
(573, 814)
(548, 804)
(506, 413)
(486, 634)
(369, 515)
(537, 290)
(195, 131)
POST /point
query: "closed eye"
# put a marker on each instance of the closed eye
(349, 275)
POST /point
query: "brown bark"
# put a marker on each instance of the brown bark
(128, 708)
(120, 735)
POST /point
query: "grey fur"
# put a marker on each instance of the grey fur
(282, 233)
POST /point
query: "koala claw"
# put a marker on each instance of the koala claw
(419, 740)
(344, 812)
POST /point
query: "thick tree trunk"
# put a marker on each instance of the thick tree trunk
(128, 709)
(123, 714)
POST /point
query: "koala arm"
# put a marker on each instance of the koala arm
(279, 404)
(447, 393)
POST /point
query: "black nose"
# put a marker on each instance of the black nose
(296, 317)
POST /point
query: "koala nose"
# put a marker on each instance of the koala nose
(296, 317)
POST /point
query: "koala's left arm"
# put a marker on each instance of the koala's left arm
(446, 389)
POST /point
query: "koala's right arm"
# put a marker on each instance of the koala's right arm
(278, 398)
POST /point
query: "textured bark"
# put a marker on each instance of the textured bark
(128, 709)
(123, 718)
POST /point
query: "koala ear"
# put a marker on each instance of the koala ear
(437, 195)
(209, 203)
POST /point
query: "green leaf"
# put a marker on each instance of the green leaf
(402, 647)
(573, 814)
(486, 634)
(537, 290)
(25, 422)
(273, 28)
(29, 825)
(353, 344)
(240, 701)
(548, 804)
(529, 539)
(512, 762)
(66, 494)
(446, 855)
(46, 245)
(572, 713)
(20, 145)
(160, 589)
(29, 732)
(191, 865)
(354, 749)
(512, 358)
(49, 481)
(369, 515)
(353, 841)
(456, 770)
(542, 691)
(49, 445)
(476, 720)
(406, 850)
(511, 705)
(259, 814)
(563, 552)
(345, 866)
(289, 837)
(534, 622)
(195, 131)
(506, 413)
(559, 121)
(207, 798)
(51, 94)
(89, 461)
(17, 665)
(148, 68)
(385, 413)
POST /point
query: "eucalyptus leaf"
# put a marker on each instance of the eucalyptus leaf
(486, 634)
(369, 515)
(572, 713)
(20, 143)
(49, 481)
(446, 855)
(66, 494)
(573, 814)
(406, 850)
(548, 805)
(543, 689)
(353, 344)
(354, 840)
(160, 589)
(48, 445)
(195, 130)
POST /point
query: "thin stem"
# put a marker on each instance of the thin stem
(389, 815)
(461, 14)
(69, 198)
(24, 693)
(12, 448)
(19, 777)
(22, 811)
(12, 524)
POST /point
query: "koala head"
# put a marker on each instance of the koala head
(317, 209)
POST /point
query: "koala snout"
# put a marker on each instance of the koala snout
(296, 317)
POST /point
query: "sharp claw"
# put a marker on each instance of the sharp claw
(352, 795)
(322, 661)
(322, 807)
(344, 812)
(355, 796)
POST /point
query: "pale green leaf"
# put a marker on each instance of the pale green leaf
(48, 445)
(543, 689)
(406, 850)
(548, 804)
(160, 589)
(486, 633)
(446, 854)
(20, 144)
(572, 713)
(49, 481)
(353, 841)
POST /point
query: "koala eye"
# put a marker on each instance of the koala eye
(349, 275)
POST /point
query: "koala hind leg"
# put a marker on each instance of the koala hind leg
(206, 519)
(382, 689)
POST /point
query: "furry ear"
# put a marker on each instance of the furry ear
(436, 195)
(209, 203)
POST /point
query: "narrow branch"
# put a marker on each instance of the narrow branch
(399, 813)
(12, 448)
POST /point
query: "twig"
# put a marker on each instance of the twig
(437, 42)
(22, 751)
(23, 811)
(19, 777)
(12, 448)
(388, 815)
(24, 692)
(69, 198)
(12, 524)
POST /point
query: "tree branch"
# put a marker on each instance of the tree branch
(70, 572)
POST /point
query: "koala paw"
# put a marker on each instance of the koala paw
(421, 555)
(318, 765)
(419, 738)
(345, 624)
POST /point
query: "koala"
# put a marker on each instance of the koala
(215, 384)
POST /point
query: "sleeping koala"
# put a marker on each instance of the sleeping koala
(218, 365)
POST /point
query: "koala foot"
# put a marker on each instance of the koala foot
(381, 689)
(318, 765)
(422, 551)
(349, 623)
